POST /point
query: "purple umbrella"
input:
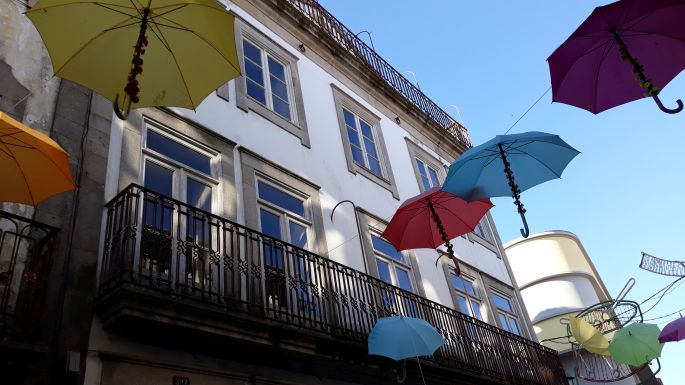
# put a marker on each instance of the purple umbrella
(674, 331)
(622, 52)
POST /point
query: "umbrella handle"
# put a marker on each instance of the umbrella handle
(123, 115)
(402, 376)
(668, 110)
(525, 232)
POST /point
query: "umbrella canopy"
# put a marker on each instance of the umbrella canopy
(186, 48)
(508, 165)
(403, 337)
(589, 337)
(433, 218)
(673, 331)
(597, 66)
(636, 344)
(33, 167)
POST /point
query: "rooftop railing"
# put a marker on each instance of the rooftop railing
(326, 23)
(161, 243)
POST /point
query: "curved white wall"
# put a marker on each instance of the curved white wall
(559, 296)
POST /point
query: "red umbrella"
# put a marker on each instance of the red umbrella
(433, 218)
(623, 51)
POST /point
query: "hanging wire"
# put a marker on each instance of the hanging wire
(528, 110)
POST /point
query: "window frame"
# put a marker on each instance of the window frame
(488, 240)
(507, 314)
(394, 264)
(469, 298)
(297, 125)
(386, 180)
(285, 216)
(418, 153)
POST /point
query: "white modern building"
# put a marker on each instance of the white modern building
(204, 248)
(558, 280)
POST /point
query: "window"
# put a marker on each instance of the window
(428, 175)
(363, 142)
(428, 169)
(392, 265)
(270, 85)
(282, 215)
(505, 313)
(175, 168)
(467, 297)
(478, 230)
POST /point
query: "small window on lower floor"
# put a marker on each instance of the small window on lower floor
(468, 299)
(393, 267)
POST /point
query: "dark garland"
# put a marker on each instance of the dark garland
(638, 69)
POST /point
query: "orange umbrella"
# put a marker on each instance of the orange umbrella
(33, 167)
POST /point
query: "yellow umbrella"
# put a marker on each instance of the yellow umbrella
(169, 53)
(33, 167)
(589, 337)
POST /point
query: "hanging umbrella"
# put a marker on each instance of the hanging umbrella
(433, 218)
(674, 331)
(33, 167)
(186, 47)
(636, 344)
(488, 170)
(403, 337)
(589, 337)
(622, 52)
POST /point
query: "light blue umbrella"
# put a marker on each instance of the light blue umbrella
(403, 337)
(508, 165)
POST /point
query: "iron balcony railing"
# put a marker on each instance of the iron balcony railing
(325, 23)
(24, 265)
(161, 243)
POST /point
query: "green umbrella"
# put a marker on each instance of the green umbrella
(636, 344)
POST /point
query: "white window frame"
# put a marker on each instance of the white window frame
(429, 166)
(416, 153)
(507, 315)
(459, 292)
(285, 216)
(393, 263)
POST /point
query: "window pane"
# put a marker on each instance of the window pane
(281, 108)
(178, 152)
(199, 195)
(433, 176)
(279, 89)
(463, 306)
(476, 310)
(271, 224)
(501, 302)
(298, 235)
(366, 129)
(354, 138)
(478, 230)
(256, 92)
(252, 52)
(514, 326)
(370, 147)
(380, 244)
(383, 271)
(276, 69)
(462, 284)
(375, 166)
(357, 155)
(158, 179)
(349, 119)
(403, 280)
(280, 199)
(254, 72)
(503, 321)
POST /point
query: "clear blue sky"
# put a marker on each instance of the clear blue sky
(622, 195)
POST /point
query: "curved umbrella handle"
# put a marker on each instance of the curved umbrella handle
(402, 376)
(668, 110)
(123, 115)
(525, 232)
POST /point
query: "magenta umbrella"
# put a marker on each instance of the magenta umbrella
(622, 52)
(673, 331)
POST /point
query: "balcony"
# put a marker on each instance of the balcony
(25, 247)
(312, 14)
(164, 260)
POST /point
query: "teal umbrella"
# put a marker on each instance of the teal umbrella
(403, 337)
(636, 344)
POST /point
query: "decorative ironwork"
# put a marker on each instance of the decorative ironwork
(24, 266)
(311, 12)
(662, 266)
(264, 290)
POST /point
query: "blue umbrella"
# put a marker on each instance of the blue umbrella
(403, 337)
(488, 170)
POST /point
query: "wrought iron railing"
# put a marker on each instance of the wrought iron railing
(161, 243)
(324, 22)
(24, 266)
